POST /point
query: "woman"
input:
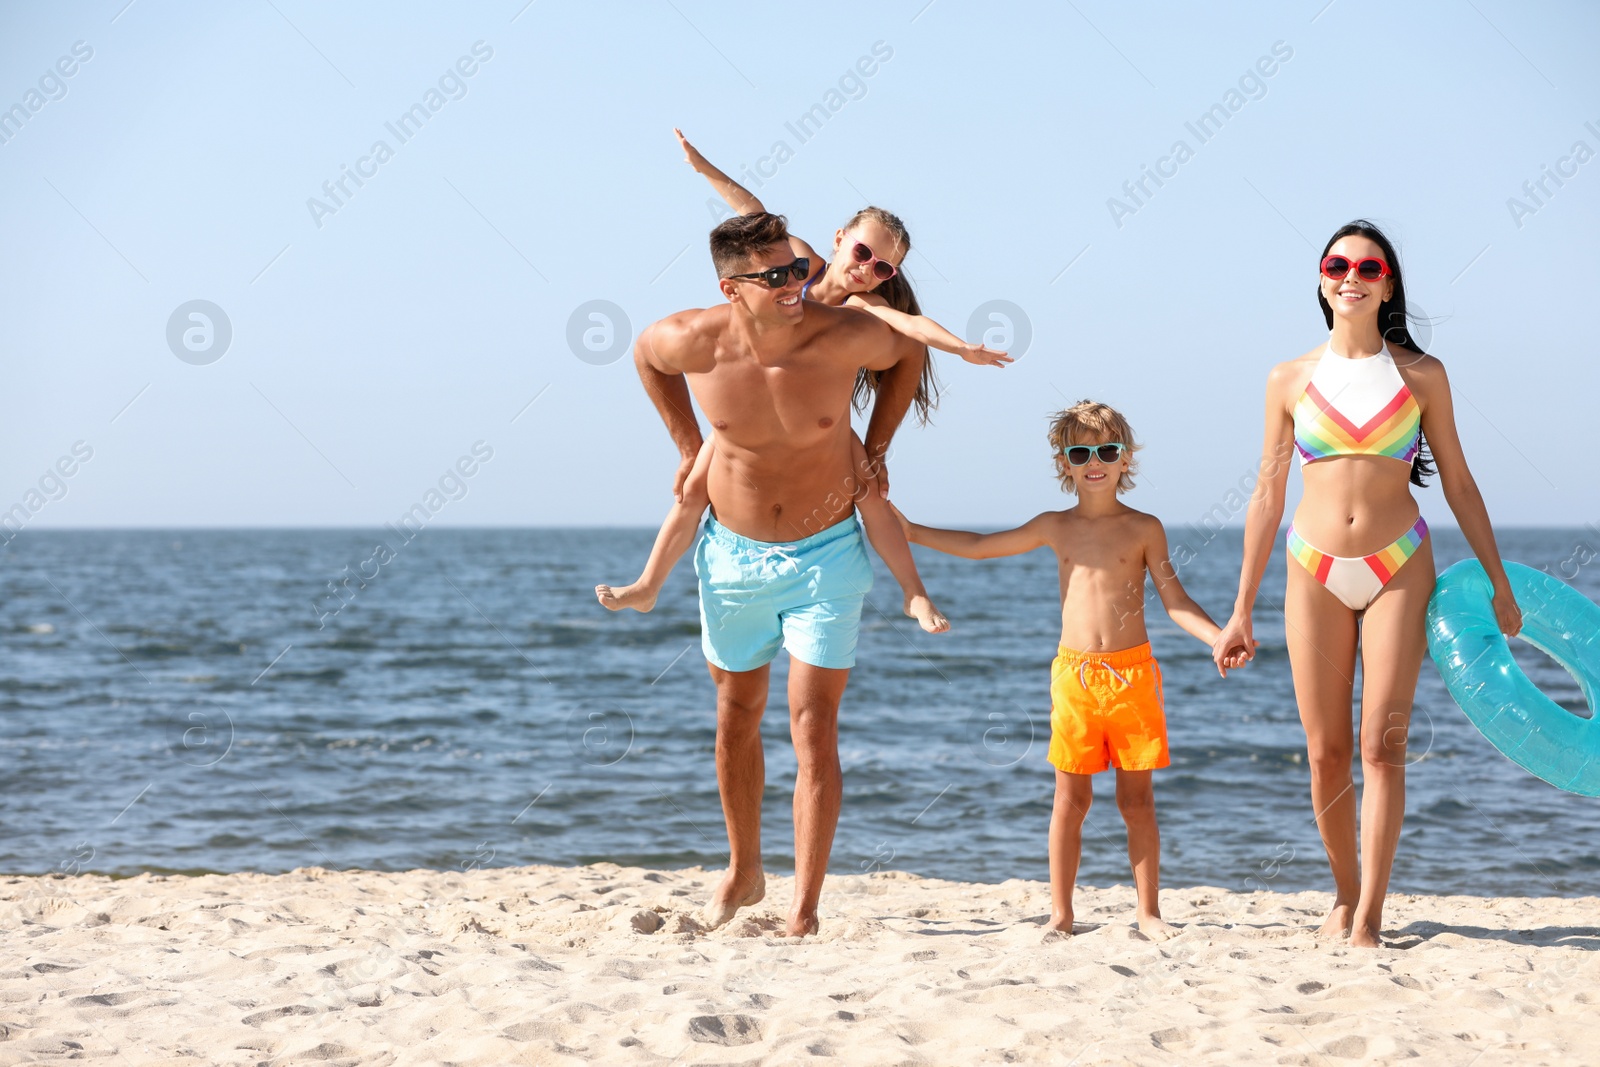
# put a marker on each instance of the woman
(1363, 411)
(863, 272)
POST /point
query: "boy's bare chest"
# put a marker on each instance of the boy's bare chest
(1112, 555)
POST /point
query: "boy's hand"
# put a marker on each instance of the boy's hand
(984, 356)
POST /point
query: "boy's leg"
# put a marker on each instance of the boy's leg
(677, 534)
(1074, 793)
(888, 538)
(1136, 799)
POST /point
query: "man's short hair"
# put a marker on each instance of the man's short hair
(736, 240)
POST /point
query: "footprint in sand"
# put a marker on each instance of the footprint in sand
(725, 1029)
(1173, 1039)
(276, 1013)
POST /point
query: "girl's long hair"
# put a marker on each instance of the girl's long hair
(900, 296)
(1392, 320)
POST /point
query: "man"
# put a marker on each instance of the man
(783, 561)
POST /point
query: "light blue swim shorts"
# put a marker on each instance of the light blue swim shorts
(806, 596)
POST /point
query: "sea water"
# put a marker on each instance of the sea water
(204, 701)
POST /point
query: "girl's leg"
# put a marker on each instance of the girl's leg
(677, 534)
(1136, 799)
(889, 539)
(1394, 639)
(1321, 635)
(884, 531)
(1073, 796)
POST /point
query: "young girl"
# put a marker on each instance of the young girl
(866, 276)
(864, 272)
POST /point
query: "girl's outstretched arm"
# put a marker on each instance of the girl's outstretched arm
(735, 195)
(925, 331)
(889, 539)
(677, 534)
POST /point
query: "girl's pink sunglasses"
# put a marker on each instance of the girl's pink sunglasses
(882, 269)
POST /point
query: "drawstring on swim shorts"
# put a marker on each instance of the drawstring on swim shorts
(1084, 665)
(782, 553)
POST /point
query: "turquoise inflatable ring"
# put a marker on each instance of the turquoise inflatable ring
(1528, 727)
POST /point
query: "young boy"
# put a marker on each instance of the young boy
(1105, 687)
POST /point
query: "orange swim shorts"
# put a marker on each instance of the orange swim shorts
(1106, 711)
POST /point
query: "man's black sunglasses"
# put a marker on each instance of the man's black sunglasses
(778, 277)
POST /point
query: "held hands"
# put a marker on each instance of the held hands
(984, 356)
(1506, 612)
(1235, 645)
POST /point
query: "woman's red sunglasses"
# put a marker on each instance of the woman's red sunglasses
(1369, 269)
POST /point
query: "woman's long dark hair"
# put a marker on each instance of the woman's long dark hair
(900, 296)
(1392, 320)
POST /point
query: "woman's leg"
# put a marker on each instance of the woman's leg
(1394, 638)
(1321, 635)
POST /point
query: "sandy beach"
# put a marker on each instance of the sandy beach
(605, 964)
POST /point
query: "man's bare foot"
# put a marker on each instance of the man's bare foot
(637, 596)
(1338, 922)
(801, 924)
(930, 618)
(735, 892)
(1364, 936)
(1156, 928)
(1060, 924)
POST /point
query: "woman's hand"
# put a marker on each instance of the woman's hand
(1235, 645)
(691, 154)
(1506, 612)
(984, 356)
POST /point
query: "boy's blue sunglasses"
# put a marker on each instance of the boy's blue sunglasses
(1078, 455)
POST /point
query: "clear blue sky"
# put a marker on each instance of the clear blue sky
(374, 343)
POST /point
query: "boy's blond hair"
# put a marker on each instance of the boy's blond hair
(1085, 422)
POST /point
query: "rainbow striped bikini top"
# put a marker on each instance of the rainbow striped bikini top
(1356, 407)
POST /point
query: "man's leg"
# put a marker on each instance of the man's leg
(741, 777)
(814, 696)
